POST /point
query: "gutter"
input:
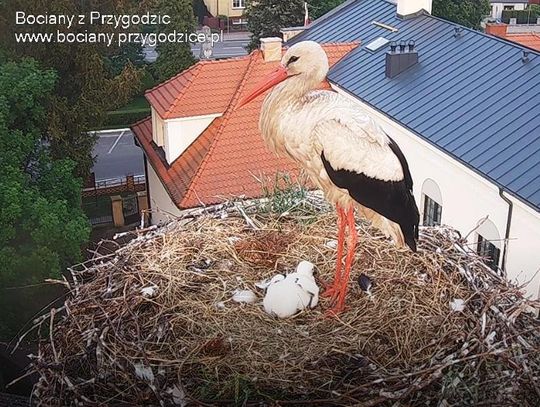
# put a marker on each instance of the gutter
(508, 225)
(148, 200)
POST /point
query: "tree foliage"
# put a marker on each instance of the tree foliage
(89, 81)
(267, 17)
(465, 12)
(174, 57)
(42, 226)
(317, 8)
(200, 10)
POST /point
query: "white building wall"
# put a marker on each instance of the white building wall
(163, 208)
(523, 260)
(467, 198)
(497, 8)
(180, 133)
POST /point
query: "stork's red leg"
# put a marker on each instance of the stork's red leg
(351, 249)
(333, 290)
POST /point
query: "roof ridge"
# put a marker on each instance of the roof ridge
(224, 60)
(172, 78)
(344, 5)
(225, 118)
(472, 30)
(330, 13)
(183, 90)
(198, 64)
(140, 121)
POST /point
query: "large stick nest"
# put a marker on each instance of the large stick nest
(153, 323)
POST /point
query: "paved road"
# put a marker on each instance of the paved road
(225, 49)
(117, 155)
(233, 45)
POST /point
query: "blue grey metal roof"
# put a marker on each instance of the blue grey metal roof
(471, 96)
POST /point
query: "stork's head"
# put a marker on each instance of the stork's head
(305, 61)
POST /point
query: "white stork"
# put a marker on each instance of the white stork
(344, 151)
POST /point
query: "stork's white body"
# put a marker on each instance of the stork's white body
(286, 295)
(303, 126)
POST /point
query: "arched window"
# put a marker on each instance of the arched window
(488, 243)
(432, 203)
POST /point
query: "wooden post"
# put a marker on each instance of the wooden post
(142, 201)
(117, 210)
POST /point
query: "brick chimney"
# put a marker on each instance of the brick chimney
(271, 48)
(497, 29)
(412, 8)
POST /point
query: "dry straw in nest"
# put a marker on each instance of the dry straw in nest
(154, 324)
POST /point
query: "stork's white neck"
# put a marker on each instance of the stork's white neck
(291, 90)
(284, 98)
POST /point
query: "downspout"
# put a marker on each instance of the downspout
(508, 225)
(147, 189)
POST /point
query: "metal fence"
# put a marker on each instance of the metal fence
(101, 220)
(113, 186)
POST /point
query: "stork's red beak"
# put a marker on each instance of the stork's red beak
(277, 76)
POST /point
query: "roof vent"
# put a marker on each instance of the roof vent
(398, 61)
(458, 31)
(525, 56)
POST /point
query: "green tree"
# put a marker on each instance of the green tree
(88, 83)
(200, 10)
(174, 57)
(317, 8)
(42, 226)
(465, 12)
(267, 17)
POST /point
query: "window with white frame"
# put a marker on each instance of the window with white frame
(488, 251)
(238, 4)
(432, 212)
(432, 203)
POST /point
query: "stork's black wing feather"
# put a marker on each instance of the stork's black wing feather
(392, 199)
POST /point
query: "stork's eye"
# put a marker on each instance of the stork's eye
(292, 59)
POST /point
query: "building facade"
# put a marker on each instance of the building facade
(229, 8)
(498, 6)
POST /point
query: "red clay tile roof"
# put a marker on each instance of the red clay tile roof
(205, 88)
(531, 40)
(229, 158)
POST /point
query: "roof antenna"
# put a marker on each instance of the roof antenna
(525, 56)
(457, 31)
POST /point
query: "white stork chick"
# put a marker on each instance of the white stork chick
(285, 296)
(344, 151)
